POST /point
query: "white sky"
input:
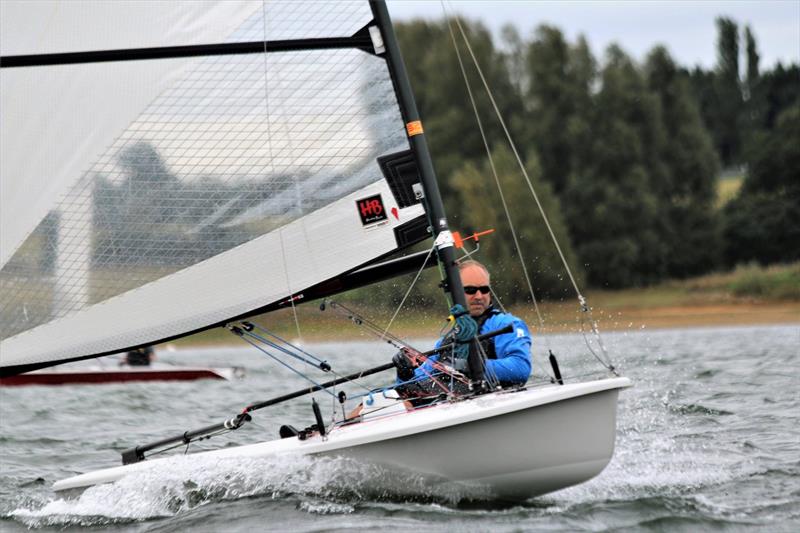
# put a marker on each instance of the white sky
(685, 27)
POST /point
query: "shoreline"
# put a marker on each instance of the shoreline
(739, 314)
(690, 316)
(559, 318)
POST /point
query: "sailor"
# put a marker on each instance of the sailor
(139, 357)
(508, 356)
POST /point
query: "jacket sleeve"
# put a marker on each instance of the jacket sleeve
(426, 369)
(513, 350)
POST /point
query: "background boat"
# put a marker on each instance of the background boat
(82, 373)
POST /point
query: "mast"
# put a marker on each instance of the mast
(416, 137)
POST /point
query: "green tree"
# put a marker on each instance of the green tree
(479, 195)
(728, 105)
(752, 96)
(558, 101)
(763, 222)
(686, 187)
(777, 90)
(751, 50)
(612, 209)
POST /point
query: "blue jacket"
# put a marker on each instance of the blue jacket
(513, 351)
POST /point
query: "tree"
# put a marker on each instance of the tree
(751, 77)
(777, 90)
(480, 197)
(611, 207)
(686, 188)
(728, 105)
(763, 222)
(558, 101)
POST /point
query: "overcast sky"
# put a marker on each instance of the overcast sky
(685, 27)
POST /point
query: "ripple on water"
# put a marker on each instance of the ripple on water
(706, 440)
(697, 409)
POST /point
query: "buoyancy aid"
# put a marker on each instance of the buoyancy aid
(487, 344)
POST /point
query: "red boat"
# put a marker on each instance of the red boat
(74, 374)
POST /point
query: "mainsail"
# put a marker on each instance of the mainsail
(167, 166)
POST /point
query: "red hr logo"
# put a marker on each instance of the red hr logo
(371, 209)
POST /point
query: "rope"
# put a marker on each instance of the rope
(495, 175)
(413, 283)
(581, 299)
(464, 330)
(315, 362)
(372, 327)
(608, 364)
(272, 162)
(414, 354)
(265, 352)
(542, 327)
(517, 156)
(266, 331)
(489, 375)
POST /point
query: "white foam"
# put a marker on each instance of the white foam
(191, 481)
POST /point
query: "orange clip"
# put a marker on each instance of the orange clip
(458, 240)
(414, 128)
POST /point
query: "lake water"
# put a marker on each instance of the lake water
(708, 439)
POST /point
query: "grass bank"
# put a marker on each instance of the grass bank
(748, 295)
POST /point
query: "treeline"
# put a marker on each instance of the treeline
(625, 157)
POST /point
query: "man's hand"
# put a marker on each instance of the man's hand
(405, 368)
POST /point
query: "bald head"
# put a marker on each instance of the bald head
(475, 279)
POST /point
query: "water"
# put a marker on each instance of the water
(709, 438)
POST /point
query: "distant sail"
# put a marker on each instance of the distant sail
(166, 166)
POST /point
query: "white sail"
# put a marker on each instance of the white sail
(56, 120)
(144, 199)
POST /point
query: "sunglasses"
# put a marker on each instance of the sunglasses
(471, 289)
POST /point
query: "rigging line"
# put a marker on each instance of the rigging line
(542, 327)
(491, 375)
(193, 440)
(288, 352)
(494, 173)
(289, 286)
(608, 364)
(265, 352)
(373, 328)
(413, 283)
(517, 156)
(393, 340)
(369, 325)
(431, 376)
(271, 334)
(265, 31)
(284, 350)
(581, 298)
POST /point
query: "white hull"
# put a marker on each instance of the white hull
(521, 444)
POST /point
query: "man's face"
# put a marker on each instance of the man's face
(472, 277)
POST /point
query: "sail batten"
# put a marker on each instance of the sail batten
(176, 192)
(361, 42)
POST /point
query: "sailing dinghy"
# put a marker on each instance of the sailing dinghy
(81, 374)
(197, 163)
